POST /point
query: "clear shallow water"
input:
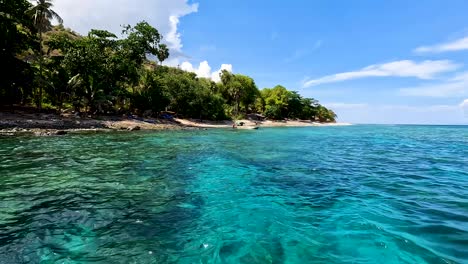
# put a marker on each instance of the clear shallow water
(359, 194)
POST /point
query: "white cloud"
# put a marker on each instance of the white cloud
(464, 107)
(454, 87)
(173, 37)
(204, 70)
(84, 15)
(187, 66)
(405, 68)
(464, 104)
(459, 44)
(165, 15)
(216, 76)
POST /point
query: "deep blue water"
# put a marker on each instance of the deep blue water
(358, 194)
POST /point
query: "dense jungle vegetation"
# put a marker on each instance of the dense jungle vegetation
(49, 66)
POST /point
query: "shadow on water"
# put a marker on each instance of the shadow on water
(95, 198)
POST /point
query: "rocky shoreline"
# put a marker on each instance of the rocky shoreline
(42, 124)
(51, 124)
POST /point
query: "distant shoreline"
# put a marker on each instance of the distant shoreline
(53, 124)
(252, 123)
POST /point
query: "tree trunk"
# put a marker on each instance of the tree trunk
(60, 102)
(39, 102)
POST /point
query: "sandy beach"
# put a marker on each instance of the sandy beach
(251, 123)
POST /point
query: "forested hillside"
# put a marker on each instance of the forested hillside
(50, 66)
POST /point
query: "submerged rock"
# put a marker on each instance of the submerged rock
(61, 132)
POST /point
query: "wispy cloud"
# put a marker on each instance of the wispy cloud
(301, 53)
(297, 54)
(317, 44)
(419, 109)
(345, 105)
(207, 48)
(454, 87)
(405, 68)
(459, 44)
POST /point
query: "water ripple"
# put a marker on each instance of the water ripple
(359, 194)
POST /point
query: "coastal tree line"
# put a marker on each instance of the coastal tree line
(101, 73)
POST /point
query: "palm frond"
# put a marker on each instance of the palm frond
(56, 16)
(42, 14)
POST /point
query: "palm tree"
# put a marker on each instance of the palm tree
(42, 15)
(163, 53)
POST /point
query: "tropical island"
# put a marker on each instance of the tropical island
(200, 183)
(55, 78)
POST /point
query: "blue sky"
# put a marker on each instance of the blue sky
(370, 61)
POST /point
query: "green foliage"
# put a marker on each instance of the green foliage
(143, 40)
(279, 103)
(240, 92)
(276, 102)
(208, 103)
(325, 115)
(92, 60)
(190, 96)
(150, 94)
(42, 15)
(110, 71)
(17, 37)
(273, 112)
(101, 73)
(56, 87)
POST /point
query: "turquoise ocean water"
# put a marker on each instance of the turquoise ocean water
(358, 194)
